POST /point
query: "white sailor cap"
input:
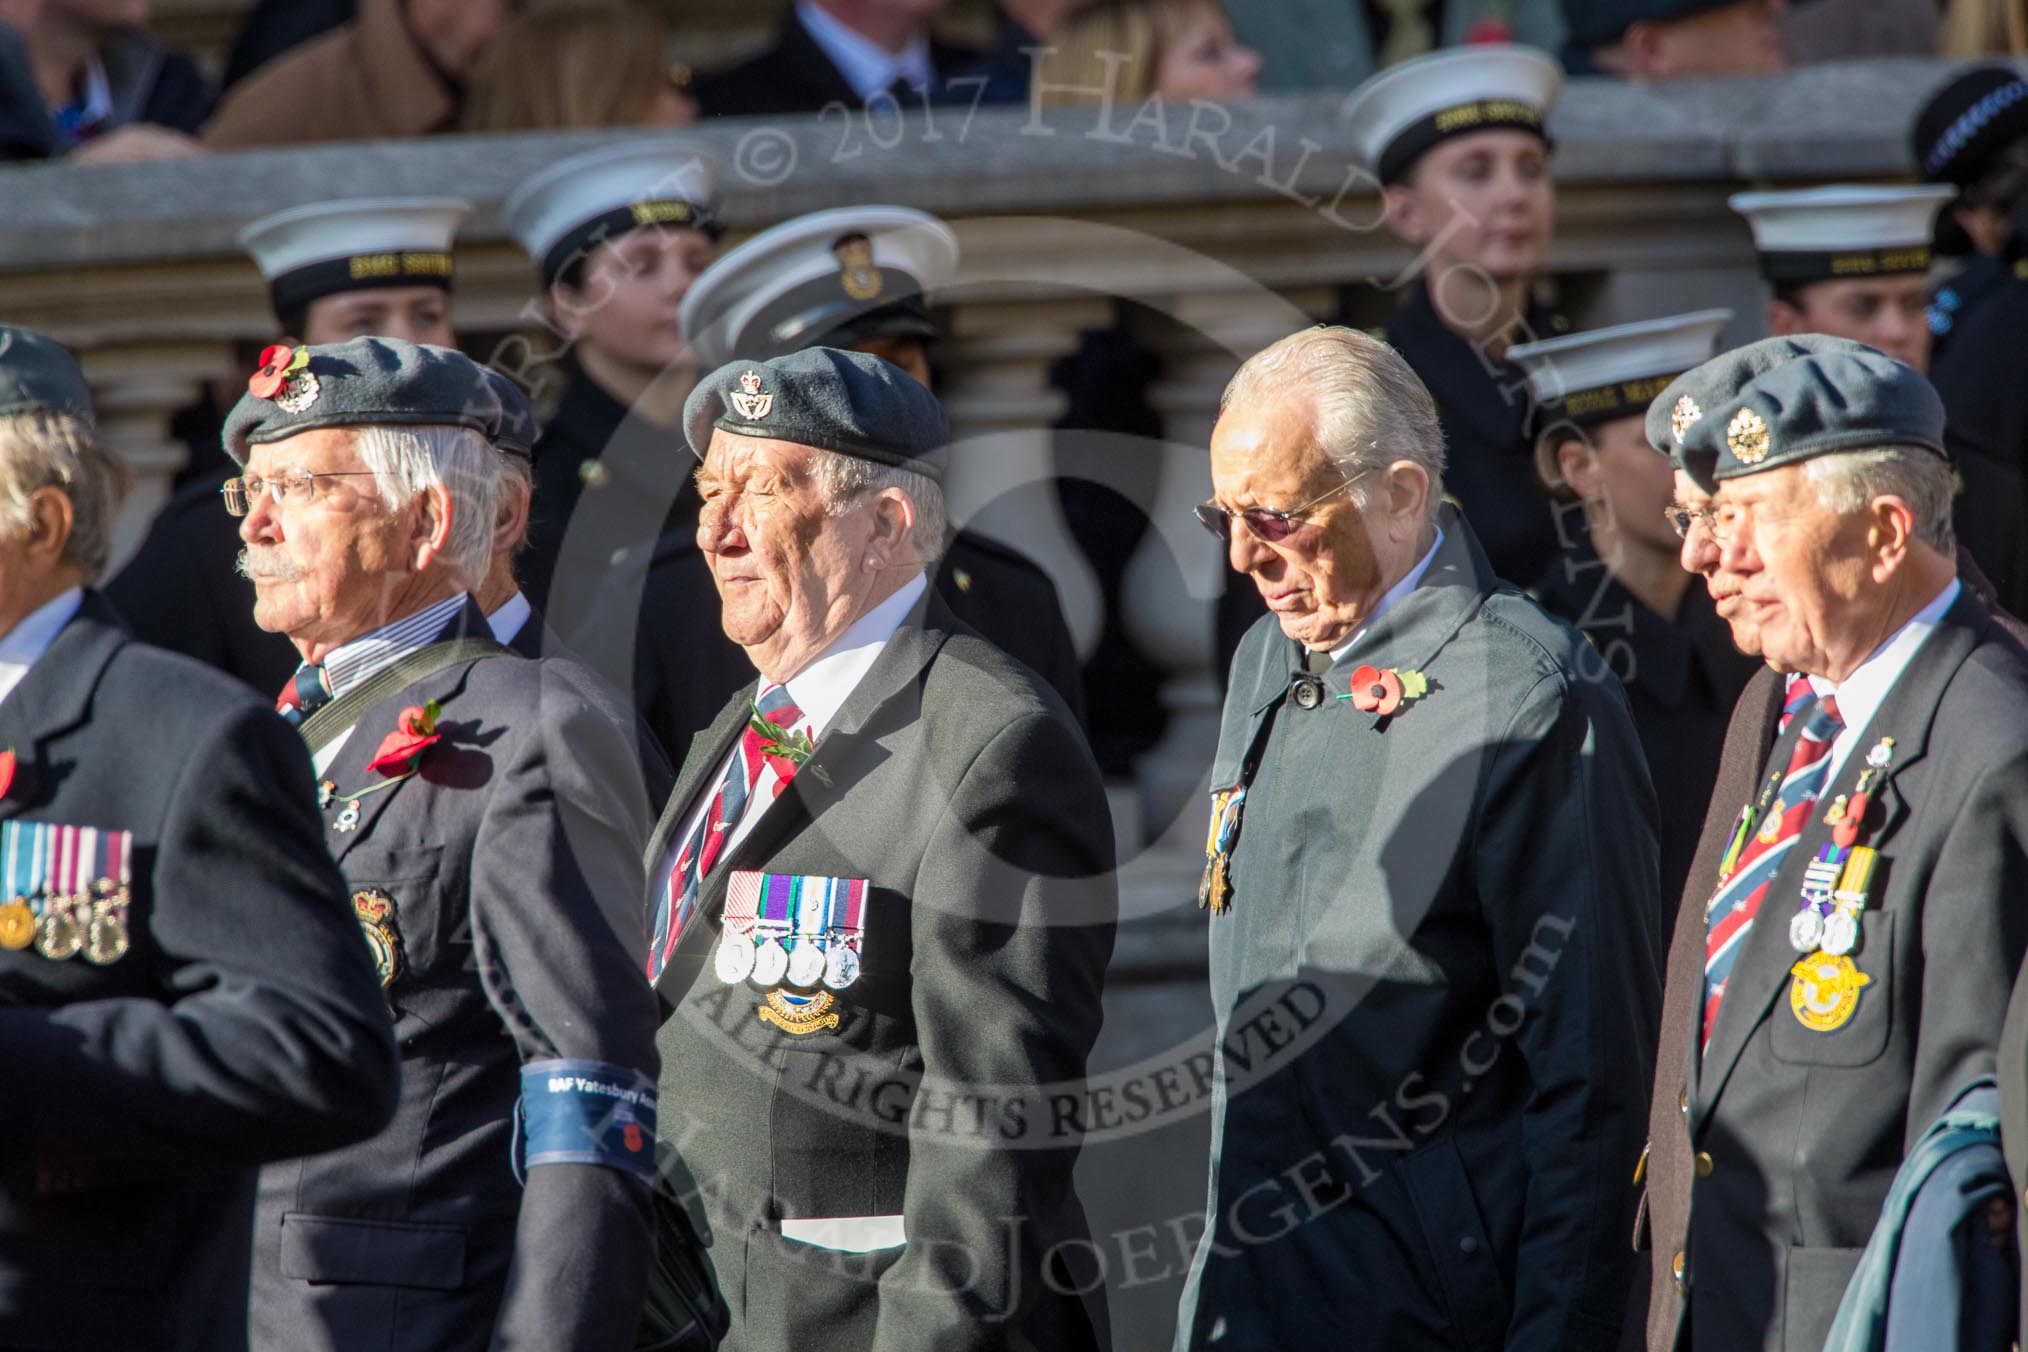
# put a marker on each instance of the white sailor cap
(1817, 234)
(309, 252)
(582, 201)
(1406, 109)
(1580, 380)
(836, 278)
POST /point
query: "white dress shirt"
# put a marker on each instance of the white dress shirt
(866, 65)
(1408, 583)
(350, 664)
(506, 622)
(1860, 694)
(26, 642)
(819, 690)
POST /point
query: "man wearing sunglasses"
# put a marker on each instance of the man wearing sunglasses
(1432, 891)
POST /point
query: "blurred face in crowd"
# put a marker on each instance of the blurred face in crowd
(419, 314)
(1481, 200)
(454, 32)
(910, 354)
(1739, 39)
(332, 561)
(791, 575)
(626, 307)
(1813, 580)
(1700, 554)
(1202, 60)
(1620, 477)
(1325, 576)
(1882, 312)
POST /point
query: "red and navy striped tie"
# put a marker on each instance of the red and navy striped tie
(305, 694)
(1732, 909)
(1796, 694)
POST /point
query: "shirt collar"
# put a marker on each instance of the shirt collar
(348, 664)
(867, 66)
(1860, 694)
(25, 643)
(822, 688)
(1409, 582)
(506, 622)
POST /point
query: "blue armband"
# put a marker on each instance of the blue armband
(585, 1112)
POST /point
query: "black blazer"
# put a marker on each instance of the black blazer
(503, 886)
(795, 76)
(1799, 1132)
(962, 791)
(243, 1024)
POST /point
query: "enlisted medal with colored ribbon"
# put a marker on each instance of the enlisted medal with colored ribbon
(775, 919)
(69, 888)
(733, 961)
(1215, 889)
(23, 859)
(848, 928)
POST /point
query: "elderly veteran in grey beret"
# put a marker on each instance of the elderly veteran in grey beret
(487, 816)
(889, 860)
(183, 993)
(1866, 926)
(1430, 881)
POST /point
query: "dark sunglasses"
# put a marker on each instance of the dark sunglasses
(1270, 525)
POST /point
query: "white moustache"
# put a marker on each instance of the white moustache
(267, 563)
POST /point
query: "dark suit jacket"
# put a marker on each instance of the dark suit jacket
(243, 1024)
(1433, 987)
(795, 76)
(536, 640)
(963, 792)
(1799, 1133)
(1669, 1159)
(512, 864)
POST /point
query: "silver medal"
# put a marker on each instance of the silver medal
(841, 967)
(348, 818)
(806, 964)
(1805, 930)
(1841, 933)
(770, 963)
(735, 958)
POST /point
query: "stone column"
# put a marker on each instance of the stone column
(136, 389)
(1002, 477)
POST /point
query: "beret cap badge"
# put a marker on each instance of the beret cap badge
(285, 378)
(1747, 436)
(1684, 417)
(857, 273)
(749, 402)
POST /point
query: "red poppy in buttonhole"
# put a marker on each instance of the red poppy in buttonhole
(1375, 691)
(6, 771)
(268, 381)
(415, 733)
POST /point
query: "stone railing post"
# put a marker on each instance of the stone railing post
(136, 389)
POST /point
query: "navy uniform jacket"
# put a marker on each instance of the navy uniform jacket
(242, 1025)
(1489, 459)
(962, 791)
(501, 888)
(1681, 675)
(1435, 986)
(182, 592)
(1988, 437)
(1798, 1133)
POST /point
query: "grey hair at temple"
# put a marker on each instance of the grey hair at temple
(48, 449)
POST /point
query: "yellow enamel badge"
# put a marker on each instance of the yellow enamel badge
(798, 1014)
(375, 910)
(1825, 992)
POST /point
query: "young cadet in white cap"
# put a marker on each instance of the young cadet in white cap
(861, 278)
(619, 235)
(1853, 262)
(1620, 578)
(366, 267)
(1458, 143)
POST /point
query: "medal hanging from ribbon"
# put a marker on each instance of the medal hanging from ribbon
(1216, 887)
(775, 920)
(67, 890)
(805, 930)
(1835, 883)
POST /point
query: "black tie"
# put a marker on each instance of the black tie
(1317, 661)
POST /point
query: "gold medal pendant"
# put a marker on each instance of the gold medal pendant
(17, 925)
(60, 934)
(106, 939)
(798, 1014)
(1824, 994)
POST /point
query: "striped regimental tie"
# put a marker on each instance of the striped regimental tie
(1733, 907)
(305, 694)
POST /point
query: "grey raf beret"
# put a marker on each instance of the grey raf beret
(38, 375)
(1784, 400)
(363, 383)
(516, 435)
(849, 402)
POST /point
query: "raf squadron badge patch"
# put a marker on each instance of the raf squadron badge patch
(375, 910)
(1824, 994)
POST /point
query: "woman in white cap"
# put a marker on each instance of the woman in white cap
(1457, 141)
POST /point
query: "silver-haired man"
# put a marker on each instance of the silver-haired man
(1432, 888)
(487, 816)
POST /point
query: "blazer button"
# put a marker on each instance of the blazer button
(1468, 1244)
(1676, 1267)
(1705, 1164)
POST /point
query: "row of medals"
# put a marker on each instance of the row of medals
(93, 923)
(1837, 934)
(829, 960)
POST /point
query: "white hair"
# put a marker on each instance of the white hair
(1849, 480)
(847, 482)
(58, 450)
(1367, 408)
(410, 460)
